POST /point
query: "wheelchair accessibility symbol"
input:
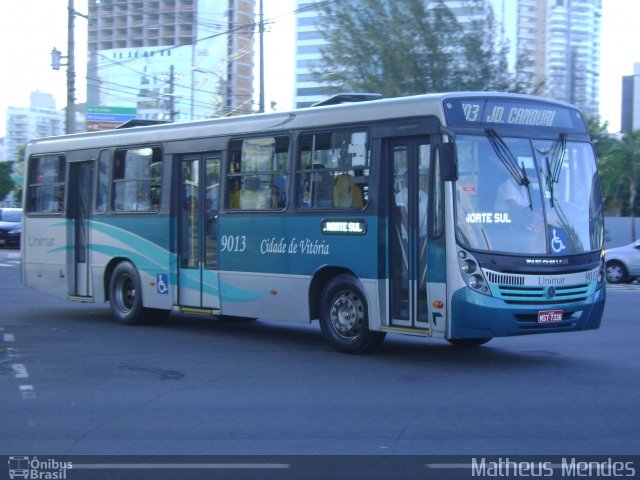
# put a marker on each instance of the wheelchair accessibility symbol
(162, 283)
(558, 241)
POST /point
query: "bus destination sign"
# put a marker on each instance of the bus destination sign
(343, 227)
(491, 112)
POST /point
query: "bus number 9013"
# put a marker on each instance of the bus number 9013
(233, 243)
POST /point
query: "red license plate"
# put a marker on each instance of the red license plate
(550, 316)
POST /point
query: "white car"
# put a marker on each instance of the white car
(623, 263)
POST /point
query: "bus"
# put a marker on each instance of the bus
(460, 216)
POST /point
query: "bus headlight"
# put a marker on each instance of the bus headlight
(476, 282)
(471, 273)
(468, 266)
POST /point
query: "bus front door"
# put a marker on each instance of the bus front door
(79, 212)
(408, 241)
(198, 246)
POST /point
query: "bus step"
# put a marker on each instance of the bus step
(406, 330)
(80, 298)
(199, 311)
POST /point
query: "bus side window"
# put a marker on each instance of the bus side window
(46, 184)
(137, 175)
(333, 170)
(257, 178)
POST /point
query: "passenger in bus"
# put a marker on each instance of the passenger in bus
(511, 197)
(346, 193)
(402, 202)
(234, 193)
(278, 192)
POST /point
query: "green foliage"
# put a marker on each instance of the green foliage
(401, 47)
(619, 168)
(6, 183)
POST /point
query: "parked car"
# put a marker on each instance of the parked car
(623, 263)
(10, 227)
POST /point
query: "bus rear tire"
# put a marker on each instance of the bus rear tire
(344, 317)
(468, 342)
(125, 297)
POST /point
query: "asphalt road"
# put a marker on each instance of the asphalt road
(72, 382)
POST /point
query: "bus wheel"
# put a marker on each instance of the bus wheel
(468, 342)
(125, 296)
(344, 318)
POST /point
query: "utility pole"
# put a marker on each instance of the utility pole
(261, 27)
(172, 104)
(56, 63)
(70, 113)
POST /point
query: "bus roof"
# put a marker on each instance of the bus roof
(331, 115)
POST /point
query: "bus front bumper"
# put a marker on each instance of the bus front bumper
(478, 316)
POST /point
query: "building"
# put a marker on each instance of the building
(40, 119)
(630, 112)
(573, 52)
(170, 59)
(554, 46)
(309, 42)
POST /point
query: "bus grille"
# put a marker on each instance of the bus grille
(504, 279)
(538, 294)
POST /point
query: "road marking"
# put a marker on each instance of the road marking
(13, 352)
(27, 392)
(8, 337)
(19, 370)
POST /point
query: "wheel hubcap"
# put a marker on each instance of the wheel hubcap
(347, 314)
(126, 294)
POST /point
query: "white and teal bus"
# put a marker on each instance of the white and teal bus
(461, 216)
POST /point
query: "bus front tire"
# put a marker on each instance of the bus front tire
(344, 317)
(125, 297)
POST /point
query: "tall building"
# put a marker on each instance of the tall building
(170, 59)
(40, 119)
(573, 52)
(630, 112)
(559, 41)
(309, 42)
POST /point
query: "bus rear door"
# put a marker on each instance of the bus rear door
(198, 214)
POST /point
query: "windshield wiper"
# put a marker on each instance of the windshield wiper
(554, 167)
(504, 153)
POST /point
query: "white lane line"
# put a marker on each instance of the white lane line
(19, 370)
(27, 392)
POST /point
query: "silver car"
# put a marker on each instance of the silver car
(623, 263)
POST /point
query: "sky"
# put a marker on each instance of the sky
(29, 29)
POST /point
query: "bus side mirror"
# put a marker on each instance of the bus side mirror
(448, 162)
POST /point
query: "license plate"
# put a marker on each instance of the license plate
(550, 316)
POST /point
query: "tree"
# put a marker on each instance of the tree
(6, 183)
(619, 168)
(401, 47)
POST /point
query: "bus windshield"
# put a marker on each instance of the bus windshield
(527, 196)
